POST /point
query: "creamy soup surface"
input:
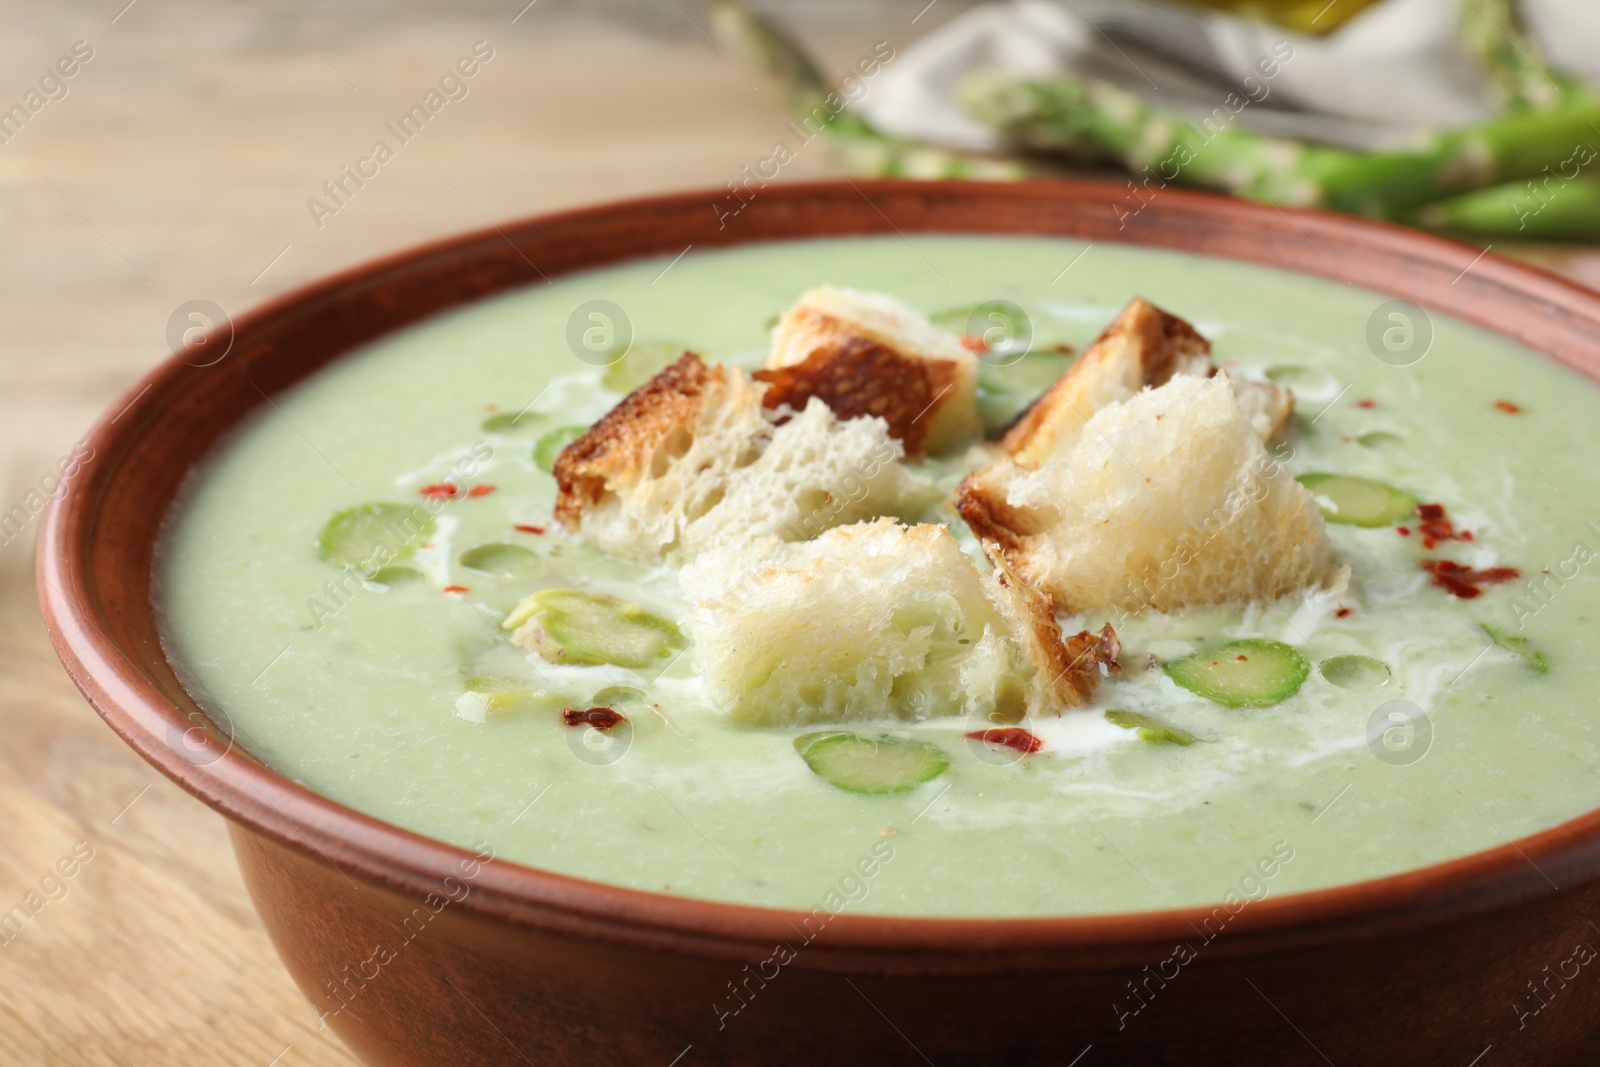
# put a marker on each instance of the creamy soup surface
(356, 689)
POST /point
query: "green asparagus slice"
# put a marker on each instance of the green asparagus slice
(357, 536)
(514, 422)
(392, 576)
(1379, 439)
(1296, 376)
(578, 627)
(1004, 392)
(639, 363)
(1150, 728)
(1031, 374)
(1518, 644)
(1248, 673)
(1360, 501)
(490, 699)
(503, 561)
(872, 765)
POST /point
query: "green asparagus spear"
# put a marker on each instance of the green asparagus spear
(759, 41)
(1098, 121)
(1523, 78)
(816, 105)
(1561, 203)
(1553, 209)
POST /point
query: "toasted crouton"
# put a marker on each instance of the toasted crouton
(691, 459)
(880, 621)
(1144, 346)
(1166, 500)
(1267, 406)
(1068, 666)
(869, 354)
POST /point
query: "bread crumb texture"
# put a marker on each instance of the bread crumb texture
(691, 460)
(1143, 347)
(880, 621)
(1165, 500)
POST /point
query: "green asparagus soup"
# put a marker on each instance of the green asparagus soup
(1440, 704)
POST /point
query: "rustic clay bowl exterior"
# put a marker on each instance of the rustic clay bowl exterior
(421, 956)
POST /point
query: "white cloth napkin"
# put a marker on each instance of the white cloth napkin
(1394, 68)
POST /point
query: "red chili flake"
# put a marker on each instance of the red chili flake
(529, 529)
(974, 343)
(456, 589)
(1008, 737)
(1428, 544)
(599, 718)
(440, 491)
(1160, 417)
(1064, 348)
(1508, 407)
(481, 490)
(1242, 659)
(1343, 613)
(1365, 404)
(1403, 531)
(1464, 582)
(1436, 526)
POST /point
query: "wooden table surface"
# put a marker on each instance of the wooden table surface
(178, 167)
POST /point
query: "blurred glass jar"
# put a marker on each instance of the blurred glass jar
(1306, 16)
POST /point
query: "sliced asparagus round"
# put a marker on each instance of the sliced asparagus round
(1248, 673)
(509, 422)
(640, 363)
(503, 561)
(358, 536)
(572, 626)
(1150, 728)
(392, 576)
(1355, 672)
(881, 764)
(1359, 501)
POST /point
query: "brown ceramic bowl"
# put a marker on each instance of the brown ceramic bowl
(514, 965)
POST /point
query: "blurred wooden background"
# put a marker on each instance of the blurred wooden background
(176, 168)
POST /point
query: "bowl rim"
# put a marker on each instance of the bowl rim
(261, 801)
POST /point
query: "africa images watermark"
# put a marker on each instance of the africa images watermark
(851, 90)
(340, 190)
(1541, 591)
(1252, 887)
(52, 888)
(852, 888)
(1541, 992)
(52, 86)
(1542, 192)
(49, 485)
(1167, 170)
(354, 978)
